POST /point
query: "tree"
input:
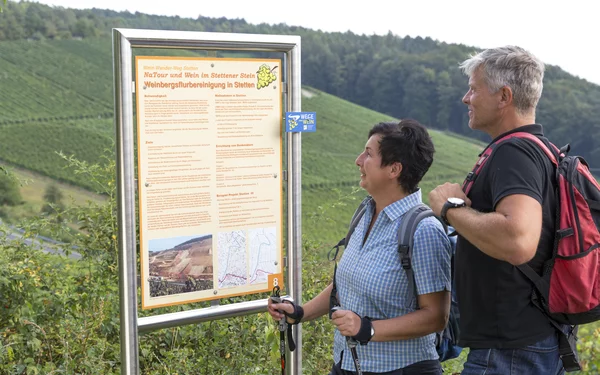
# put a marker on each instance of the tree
(9, 189)
(53, 197)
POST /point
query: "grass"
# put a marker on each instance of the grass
(34, 185)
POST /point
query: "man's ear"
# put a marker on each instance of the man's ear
(506, 97)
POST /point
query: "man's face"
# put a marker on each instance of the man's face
(483, 105)
(372, 175)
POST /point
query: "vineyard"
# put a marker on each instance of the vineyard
(35, 146)
(64, 71)
(67, 84)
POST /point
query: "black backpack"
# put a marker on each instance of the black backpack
(446, 340)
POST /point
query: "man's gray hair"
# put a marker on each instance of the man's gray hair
(510, 66)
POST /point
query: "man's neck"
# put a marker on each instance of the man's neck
(511, 121)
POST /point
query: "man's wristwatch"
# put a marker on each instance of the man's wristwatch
(451, 203)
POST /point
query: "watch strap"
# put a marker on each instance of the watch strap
(364, 333)
(444, 211)
(448, 205)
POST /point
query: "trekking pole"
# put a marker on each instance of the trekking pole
(352, 346)
(281, 326)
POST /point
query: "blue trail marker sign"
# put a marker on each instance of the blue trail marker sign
(297, 122)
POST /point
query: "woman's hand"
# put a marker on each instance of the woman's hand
(276, 310)
(347, 322)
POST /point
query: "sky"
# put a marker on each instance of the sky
(565, 34)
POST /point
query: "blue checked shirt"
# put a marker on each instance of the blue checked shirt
(371, 282)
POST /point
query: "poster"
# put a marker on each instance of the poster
(209, 177)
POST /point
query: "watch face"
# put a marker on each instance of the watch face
(456, 200)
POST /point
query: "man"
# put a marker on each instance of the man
(377, 307)
(507, 220)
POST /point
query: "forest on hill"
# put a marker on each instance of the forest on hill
(397, 76)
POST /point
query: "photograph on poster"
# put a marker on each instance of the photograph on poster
(180, 265)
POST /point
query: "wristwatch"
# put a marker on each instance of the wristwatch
(372, 332)
(451, 203)
(365, 332)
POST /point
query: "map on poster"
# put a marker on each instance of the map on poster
(263, 254)
(233, 269)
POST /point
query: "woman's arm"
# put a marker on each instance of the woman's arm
(313, 309)
(431, 317)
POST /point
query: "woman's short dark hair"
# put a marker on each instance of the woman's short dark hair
(409, 144)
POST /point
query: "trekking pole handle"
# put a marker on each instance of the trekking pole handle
(282, 325)
(351, 342)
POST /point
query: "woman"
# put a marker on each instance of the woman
(377, 309)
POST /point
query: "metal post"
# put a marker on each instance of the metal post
(295, 201)
(122, 66)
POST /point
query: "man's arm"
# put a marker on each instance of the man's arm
(511, 233)
(515, 179)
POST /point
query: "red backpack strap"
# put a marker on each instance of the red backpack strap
(539, 142)
(485, 155)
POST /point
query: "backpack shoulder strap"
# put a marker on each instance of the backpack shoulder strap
(358, 214)
(550, 150)
(406, 232)
(333, 253)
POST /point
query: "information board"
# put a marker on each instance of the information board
(209, 177)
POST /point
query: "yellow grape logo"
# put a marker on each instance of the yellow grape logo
(293, 121)
(265, 76)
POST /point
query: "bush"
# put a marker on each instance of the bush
(61, 316)
(9, 189)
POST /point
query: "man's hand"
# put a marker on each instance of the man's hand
(347, 322)
(439, 196)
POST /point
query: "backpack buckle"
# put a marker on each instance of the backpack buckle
(405, 263)
(570, 362)
(404, 258)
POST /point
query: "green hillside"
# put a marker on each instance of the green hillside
(41, 80)
(416, 77)
(35, 145)
(328, 168)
